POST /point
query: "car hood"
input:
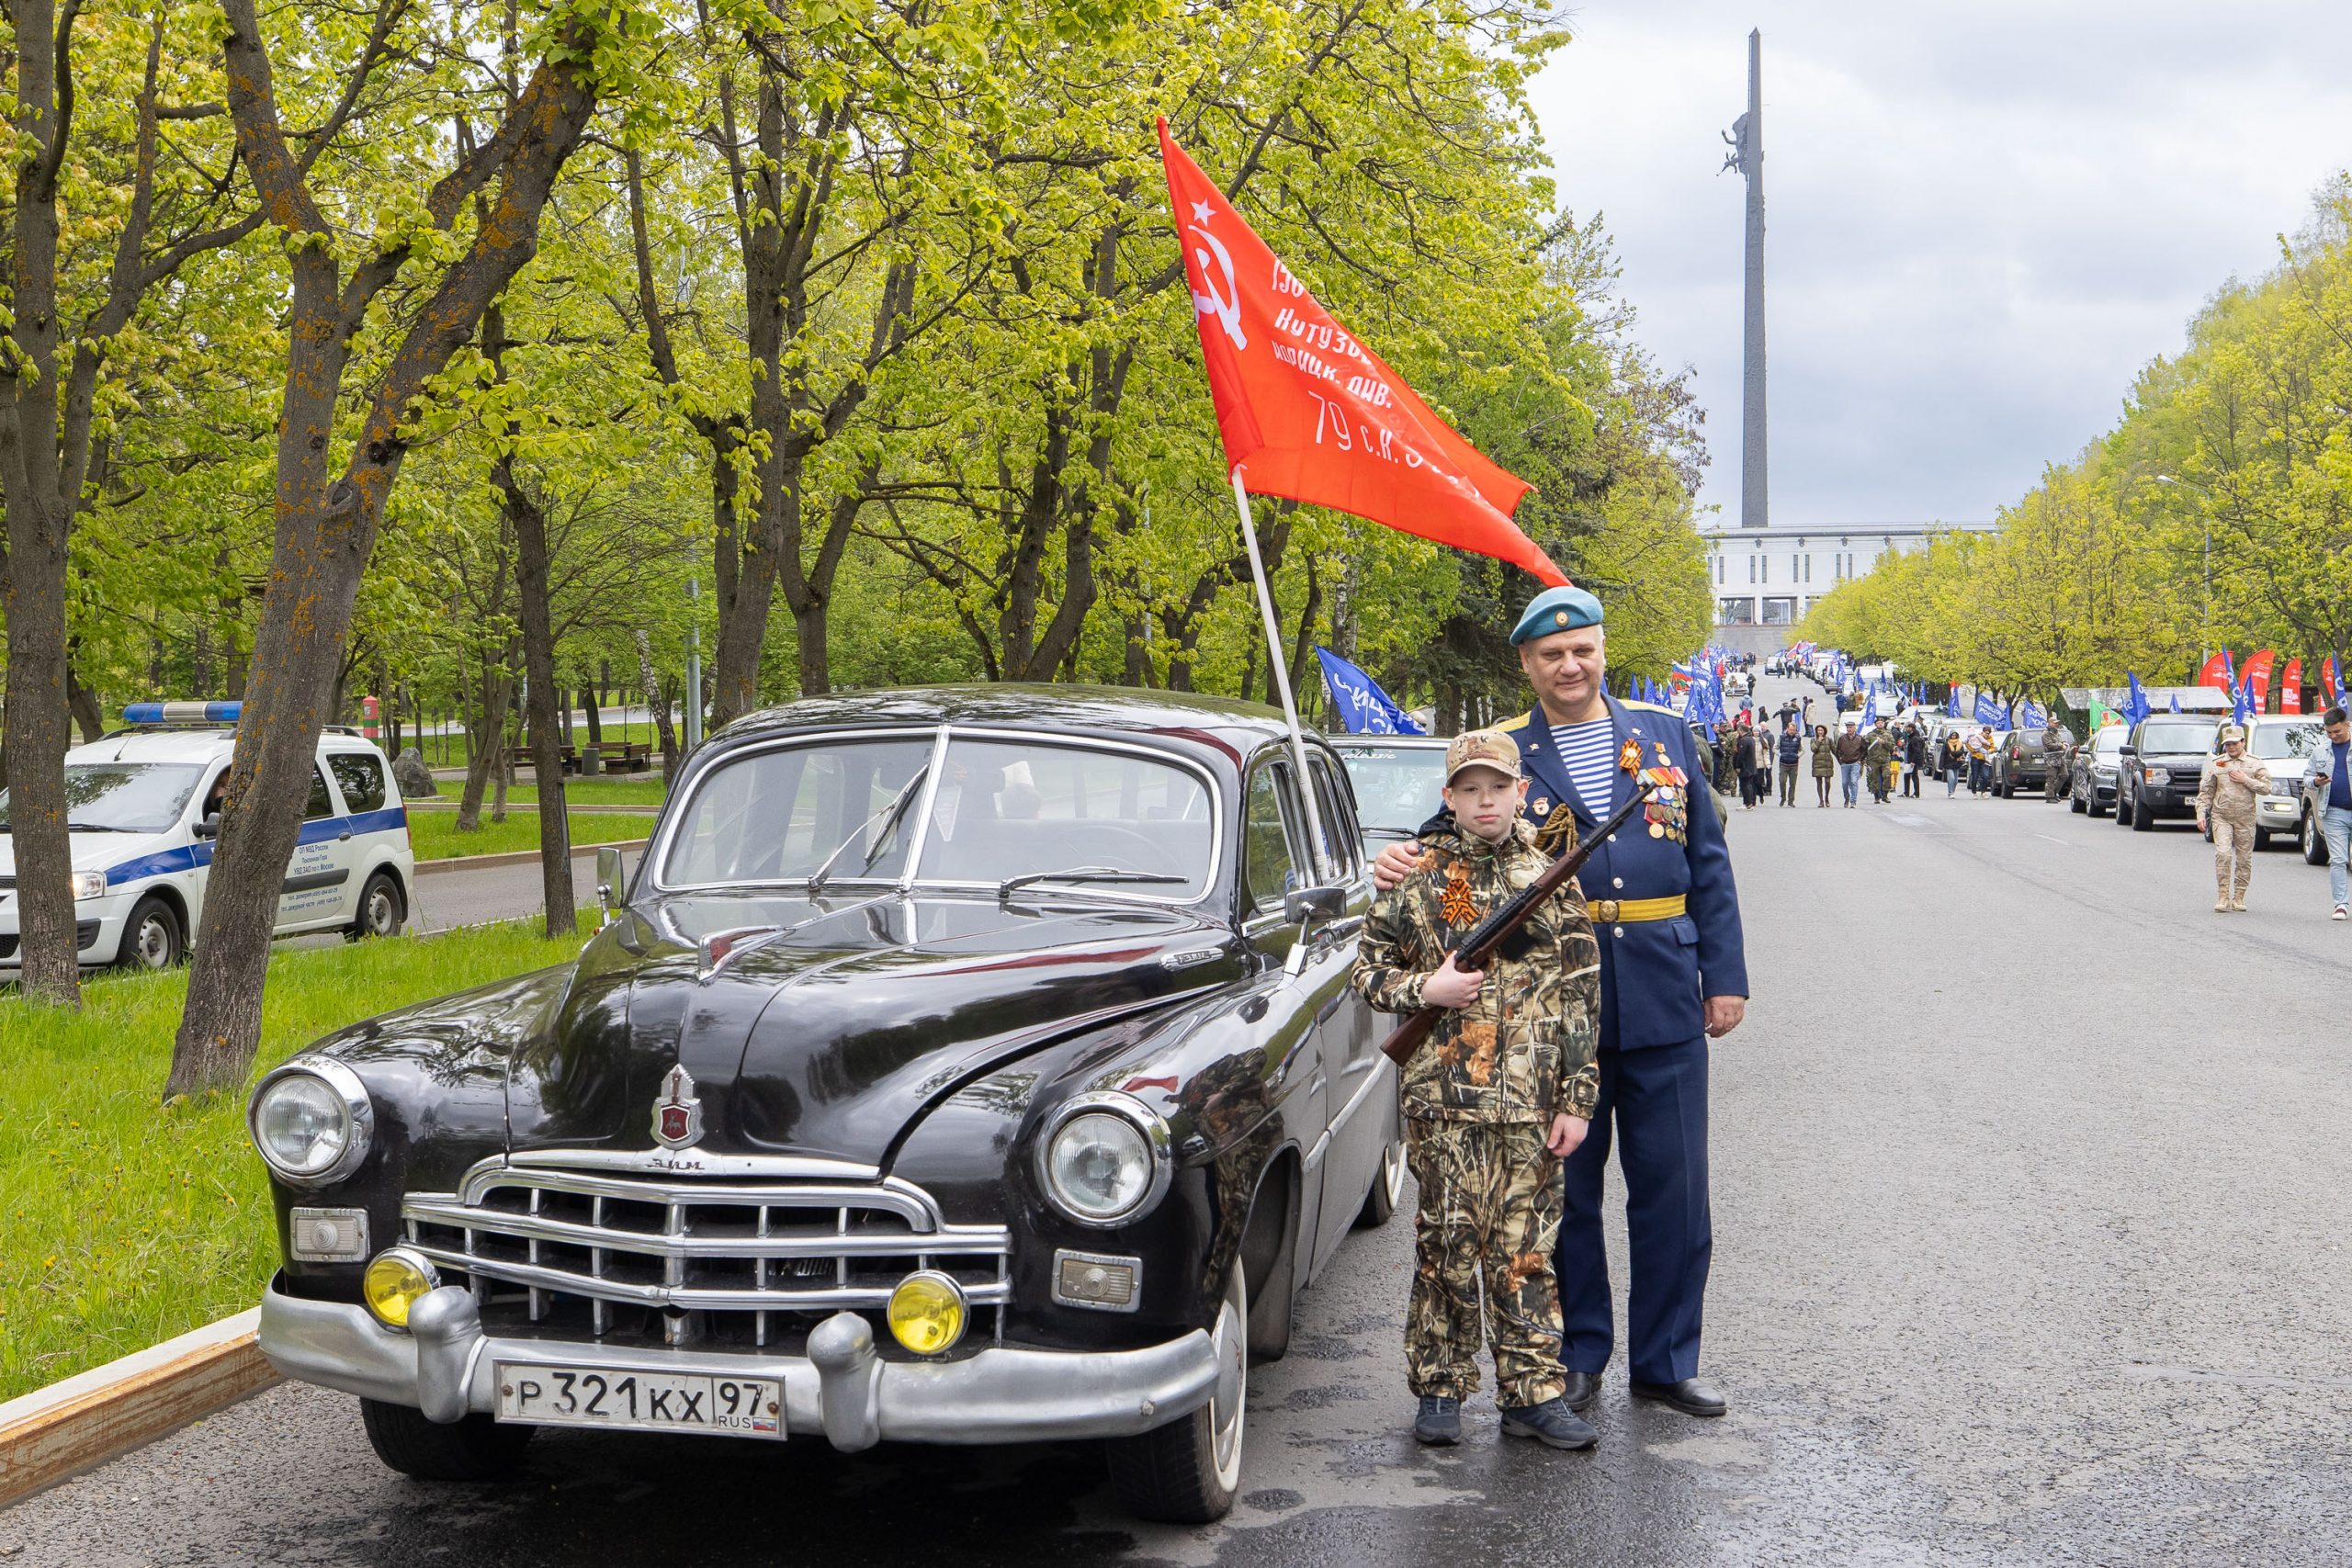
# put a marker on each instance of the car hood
(99, 852)
(827, 1029)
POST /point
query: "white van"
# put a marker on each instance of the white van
(142, 804)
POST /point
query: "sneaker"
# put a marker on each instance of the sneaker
(2341, 913)
(1439, 1421)
(2221, 906)
(2237, 905)
(1550, 1422)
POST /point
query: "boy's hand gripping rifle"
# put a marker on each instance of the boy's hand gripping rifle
(1490, 934)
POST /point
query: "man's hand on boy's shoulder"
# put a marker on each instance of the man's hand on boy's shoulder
(1395, 863)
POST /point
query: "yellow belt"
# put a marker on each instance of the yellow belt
(1619, 912)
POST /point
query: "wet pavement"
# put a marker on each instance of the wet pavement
(2028, 1184)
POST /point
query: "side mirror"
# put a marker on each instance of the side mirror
(2127, 749)
(608, 881)
(209, 827)
(1325, 903)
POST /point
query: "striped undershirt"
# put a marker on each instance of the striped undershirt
(1589, 753)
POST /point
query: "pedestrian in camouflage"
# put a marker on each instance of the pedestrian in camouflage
(2226, 796)
(1504, 1086)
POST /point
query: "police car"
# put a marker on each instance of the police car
(144, 806)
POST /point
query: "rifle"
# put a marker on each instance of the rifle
(1475, 949)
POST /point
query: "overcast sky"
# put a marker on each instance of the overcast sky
(1980, 221)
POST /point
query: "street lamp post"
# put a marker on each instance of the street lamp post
(2205, 631)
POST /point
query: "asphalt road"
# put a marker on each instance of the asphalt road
(481, 893)
(2029, 1176)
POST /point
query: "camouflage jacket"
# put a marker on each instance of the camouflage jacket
(1524, 1050)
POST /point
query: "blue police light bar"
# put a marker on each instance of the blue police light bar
(181, 713)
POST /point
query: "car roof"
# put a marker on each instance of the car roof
(1221, 725)
(162, 744)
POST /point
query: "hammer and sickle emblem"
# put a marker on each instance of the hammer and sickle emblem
(1225, 307)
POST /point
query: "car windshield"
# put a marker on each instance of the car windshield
(2276, 742)
(1397, 787)
(1070, 817)
(123, 797)
(2176, 737)
(2109, 741)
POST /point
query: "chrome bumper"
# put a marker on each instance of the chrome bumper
(446, 1367)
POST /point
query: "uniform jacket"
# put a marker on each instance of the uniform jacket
(1524, 1051)
(1878, 751)
(1653, 972)
(2224, 796)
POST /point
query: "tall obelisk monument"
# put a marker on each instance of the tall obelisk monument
(1747, 139)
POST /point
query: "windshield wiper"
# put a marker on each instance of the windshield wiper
(97, 828)
(887, 816)
(1083, 873)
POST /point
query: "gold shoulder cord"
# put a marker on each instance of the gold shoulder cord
(1557, 836)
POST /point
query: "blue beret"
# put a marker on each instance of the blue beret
(1556, 610)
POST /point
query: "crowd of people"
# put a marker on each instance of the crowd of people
(1886, 758)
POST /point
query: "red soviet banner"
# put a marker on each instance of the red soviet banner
(1309, 413)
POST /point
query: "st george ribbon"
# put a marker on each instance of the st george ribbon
(1308, 413)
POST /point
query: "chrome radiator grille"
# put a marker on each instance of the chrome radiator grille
(745, 1261)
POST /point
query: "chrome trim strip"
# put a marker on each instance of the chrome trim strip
(974, 1240)
(688, 1162)
(1145, 1120)
(687, 1298)
(919, 820)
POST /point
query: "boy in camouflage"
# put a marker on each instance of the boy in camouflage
(1503, 1088)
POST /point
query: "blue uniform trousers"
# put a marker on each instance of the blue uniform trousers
(1655, 1102)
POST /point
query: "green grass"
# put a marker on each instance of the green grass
(123, 1222)
(629, 789)
(434, 834)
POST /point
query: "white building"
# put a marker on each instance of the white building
(1766, 578)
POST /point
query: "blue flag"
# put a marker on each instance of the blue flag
(2175, 702)
(1363, 708)
(2135, 701)
(2033, 717)
(1951, 702)
(2241, 700)
(1990, 712)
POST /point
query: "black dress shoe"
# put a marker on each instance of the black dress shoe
(1690, 1396)
(1582, 1390)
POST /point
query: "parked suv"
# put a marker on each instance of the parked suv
(2161, 763)
(2021, 763)
(2286, 742)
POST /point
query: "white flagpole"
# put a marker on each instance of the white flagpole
(1281, 670)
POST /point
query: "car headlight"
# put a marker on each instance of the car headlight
(311, 1121)
(2289, 788)
(396, 1281)
(1103, 1159)
(89, 885)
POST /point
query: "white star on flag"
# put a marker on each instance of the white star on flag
(1200, 212)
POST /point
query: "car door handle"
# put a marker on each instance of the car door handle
(345, 834)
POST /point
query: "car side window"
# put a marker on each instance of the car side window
(361, 776)
(1341, 834)
(321, 803)
(1268, 868)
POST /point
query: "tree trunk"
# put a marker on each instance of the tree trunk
(590, 699)
(545, 696)
(486, 746)
(657, 704)
(85, 706)
(325, 523)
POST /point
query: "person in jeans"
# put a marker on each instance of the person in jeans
(1955, 762)
(1981, 747)
(2332, 778)
(1825, 762)
(1851, 752)
(1914, 759)
(1792, 751)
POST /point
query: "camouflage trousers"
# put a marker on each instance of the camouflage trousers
(1489, 1211)
(2232, 852)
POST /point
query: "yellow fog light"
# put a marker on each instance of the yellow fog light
(394, 1282)
(927, 1313)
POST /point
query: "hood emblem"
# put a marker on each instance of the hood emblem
(677, 1114)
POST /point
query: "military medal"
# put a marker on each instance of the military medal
(1543, 806)
(1629, 757)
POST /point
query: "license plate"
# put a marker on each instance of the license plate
(640, 1399)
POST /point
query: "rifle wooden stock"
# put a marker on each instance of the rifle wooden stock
(1494, 930)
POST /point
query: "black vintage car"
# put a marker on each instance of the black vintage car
(962, 1065)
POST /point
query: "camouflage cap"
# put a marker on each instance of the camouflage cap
(1482, 748)
(2229, 732)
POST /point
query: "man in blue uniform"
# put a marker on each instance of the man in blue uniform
(1672, 976)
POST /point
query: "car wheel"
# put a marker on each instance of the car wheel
(381, 908)
(151, 938)
(473, 1449)
(2261, 840)
(1187, 1471)
(2143, 821)
(2123, 809)
(1387, 1187)
(2314, 841)
(2078, 805)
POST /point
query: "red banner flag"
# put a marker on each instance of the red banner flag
(2327, 680)
(2216, 671)
(2290, 687)
(1311, 415)
(2258, 671)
